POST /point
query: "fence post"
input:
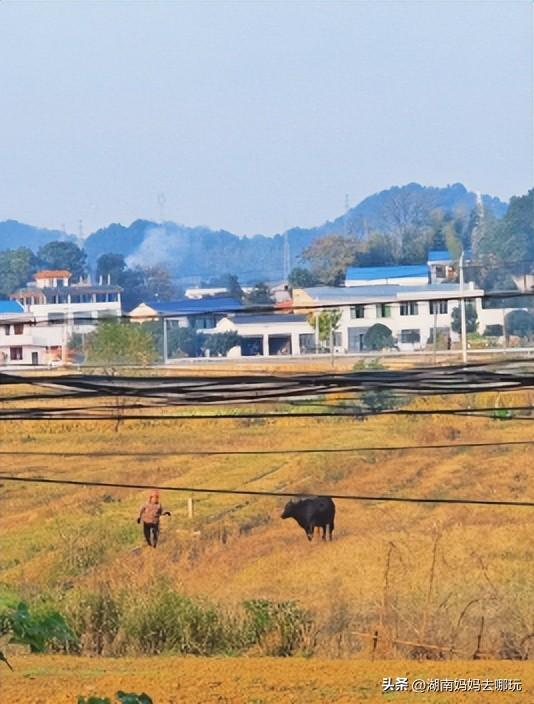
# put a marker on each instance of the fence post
(190, 508)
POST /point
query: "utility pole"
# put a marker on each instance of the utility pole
(164, 320)
(463, 331)
(434, 334)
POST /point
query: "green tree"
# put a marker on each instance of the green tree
(233, 287)
(471, 319)
(220, 343)
(330, 256)
(184, 342)
(16, 268)
(299, 277)
(328, 323)
(260, 295)
(121, 343)
(511, 240)
(63, 255)
(379, 250)
(519, 323)
(112, 265)
(158, 284)
(378, 337)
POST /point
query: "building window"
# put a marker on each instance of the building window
(100, 297)
(410, 336)
(15, 354)
(338, 340)
(75, 298)
(56, 318)
(18, 328)
(383, 310)
(409, 308)
(204, 323)
(307, 342)
(438, 307)
(357, 311)
(7, 329)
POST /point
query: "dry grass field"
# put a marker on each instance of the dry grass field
(457, 577)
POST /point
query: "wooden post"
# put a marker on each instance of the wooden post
(190, 508)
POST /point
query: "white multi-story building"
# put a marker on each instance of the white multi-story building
(411, 313)
(53, 299)
(23, 343)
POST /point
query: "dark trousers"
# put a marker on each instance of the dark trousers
(151, 531)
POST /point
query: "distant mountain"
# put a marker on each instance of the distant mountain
(201, 253)
(15, 234)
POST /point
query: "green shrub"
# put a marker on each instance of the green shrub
(170, 622)
(278, 627)
(95, 617)
(41, 629)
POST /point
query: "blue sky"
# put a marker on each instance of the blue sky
(256, 116)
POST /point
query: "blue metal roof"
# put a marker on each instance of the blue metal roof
(11, 307)
(369, 273)
(439, 255)
(195, 306)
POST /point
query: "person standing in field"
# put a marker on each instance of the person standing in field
(150, 514)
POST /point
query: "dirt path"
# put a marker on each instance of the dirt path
(173, 680)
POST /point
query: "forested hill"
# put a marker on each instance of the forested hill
(201, 252)
(17, 234)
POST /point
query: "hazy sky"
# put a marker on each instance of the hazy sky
(256, 116)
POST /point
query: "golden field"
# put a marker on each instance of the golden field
(451, 576)
(172, 680)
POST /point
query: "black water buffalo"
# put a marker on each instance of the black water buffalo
(312, 512)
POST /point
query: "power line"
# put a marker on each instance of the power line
(249, 492)
(287, 451)
(355, 413)
(252, 388)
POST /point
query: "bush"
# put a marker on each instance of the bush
(95, 617)
(519, 323)
(378, 337)
(120, 343)
(220, 343)
(170, 622)
(493, 331)
(41, 629)
(279, 628)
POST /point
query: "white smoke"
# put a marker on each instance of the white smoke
(158, 247)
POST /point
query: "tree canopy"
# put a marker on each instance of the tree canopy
(64, 255)
(471, 319)
(378, 337)
(120, 343)
(329, 258)
(16, 268)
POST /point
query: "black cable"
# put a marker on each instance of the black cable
(243, 492)
(225, 453)
(197, 390)
(356, 413)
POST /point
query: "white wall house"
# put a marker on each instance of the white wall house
(410, 312)
(53, 299)
(22, 342)
(270, 334)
